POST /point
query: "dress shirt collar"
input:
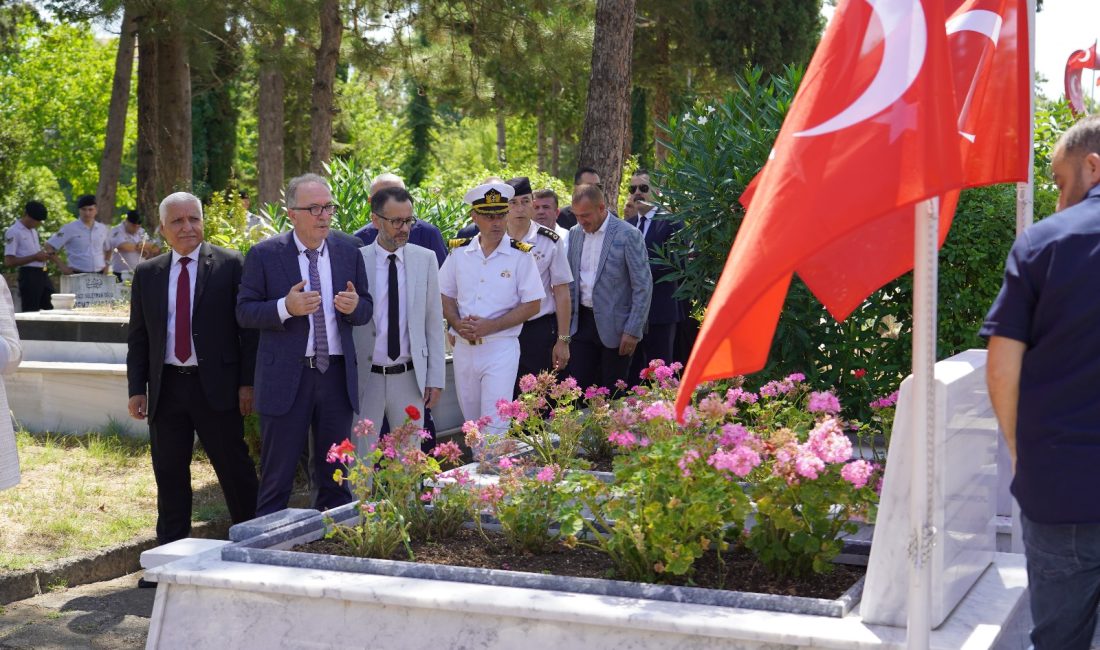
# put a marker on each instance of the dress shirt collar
(302, 247)
(652, 212)
(194, 255)
(1095, 191)
(603, 227)
(383, 254)
(504, 247)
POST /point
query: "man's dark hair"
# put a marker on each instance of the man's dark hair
(584, 170)
(1082, 138)
(588, 191)
(85, 201)
(387, 194)
(243, 194)
(639, 171)
(133, 216)
(35, 210)
(547, 194)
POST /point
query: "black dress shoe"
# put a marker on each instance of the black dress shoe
(146, 584)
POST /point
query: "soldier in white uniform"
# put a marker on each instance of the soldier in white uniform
(490, 287)
(21, 249)
(545, 204)
(130, 245)
(544, 340)
(85, 240)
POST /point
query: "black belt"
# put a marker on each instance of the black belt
(28, 269)
(395, 369)
(311, 362)
(181, 370)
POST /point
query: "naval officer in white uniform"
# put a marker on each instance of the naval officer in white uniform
(490, 287)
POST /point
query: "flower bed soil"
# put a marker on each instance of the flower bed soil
(743, 573)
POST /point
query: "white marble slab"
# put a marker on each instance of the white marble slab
(74, 351)
(279, 607)
(71, 397)
(963, 487)
(178, 549)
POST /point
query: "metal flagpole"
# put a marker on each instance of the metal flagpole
(1025, 215)
(923, 417)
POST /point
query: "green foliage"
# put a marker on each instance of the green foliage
(526, 513)
(224, 221)
(555, 440)
(420, 124)
(38, 184)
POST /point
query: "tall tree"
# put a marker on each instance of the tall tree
(270, 117)
(110, 164)
(148, 121)
(323, 107)
(605, 116)
(215, 68)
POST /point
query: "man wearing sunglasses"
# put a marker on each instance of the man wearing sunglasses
(304, 290)
(584, 176)
(665, 311)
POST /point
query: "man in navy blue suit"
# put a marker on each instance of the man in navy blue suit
(665, 311)
(304, 290)
(422, 234)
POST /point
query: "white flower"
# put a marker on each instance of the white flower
(702, 119)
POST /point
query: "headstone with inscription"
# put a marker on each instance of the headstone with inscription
(90, 288)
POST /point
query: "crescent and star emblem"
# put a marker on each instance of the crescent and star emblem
(905, 44)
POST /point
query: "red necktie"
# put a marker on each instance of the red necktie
(183, 312)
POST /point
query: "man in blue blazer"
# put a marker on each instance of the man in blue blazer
(665, 312)
(304, 290)
(423, 233)
(611, 290)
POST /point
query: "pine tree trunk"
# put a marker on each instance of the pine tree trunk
(147, 157)
(502, 141)
(601, 145)
(323, 106)
(269, 112)
(110, 163)
(555, 153)
(662, 104)
(174, 151)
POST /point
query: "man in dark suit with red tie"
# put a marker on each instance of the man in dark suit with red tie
(189, 367)
(304, 290)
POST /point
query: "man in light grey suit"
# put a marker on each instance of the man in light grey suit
(404, 340)
(610, 294)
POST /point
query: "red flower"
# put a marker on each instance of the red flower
(412, 412)
(859, 372)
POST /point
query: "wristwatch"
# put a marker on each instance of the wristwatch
(565, 338)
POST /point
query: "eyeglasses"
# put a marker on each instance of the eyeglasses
(316, 210)
(643, 188)
(398, 222)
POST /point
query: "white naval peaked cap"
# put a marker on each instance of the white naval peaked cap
(490, 198)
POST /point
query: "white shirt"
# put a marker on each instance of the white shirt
(324, 270)
(382, 306)
(648, 220)
(591, 245)
(492, 286)
(564, 234)
(87, 247)
(173, 282)
(553, 265)
(21, 241)
(126, 260)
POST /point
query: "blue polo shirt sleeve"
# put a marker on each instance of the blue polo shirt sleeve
(1012, 312)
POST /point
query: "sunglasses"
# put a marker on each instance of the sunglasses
(643, 188)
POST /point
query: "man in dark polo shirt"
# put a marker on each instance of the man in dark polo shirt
(1043, 372)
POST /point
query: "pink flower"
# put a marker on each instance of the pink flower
(714, 408)
(689, 457)
(640, 391)
(823, 403)
(512, 410)
(426, 497)
(659, 409)
(449, 451)
(369, 507)
(528, 383)
(740, 461)
(473, 434)
(341, 453)
(622, 438)
(857, 473)
(885, 402)
(593, 392)
(424, 434)
(506, 462)
(363, 427)
(490, 494)
(807, 464)
(733, 435)
(620, 384)
(796, 377)
(828, 442)
(546, 474)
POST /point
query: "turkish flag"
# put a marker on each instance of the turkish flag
(873, 130)
(1078, 61)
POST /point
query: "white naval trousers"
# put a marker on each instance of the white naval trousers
(484, 374)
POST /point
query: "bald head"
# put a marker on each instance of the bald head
(382, 181)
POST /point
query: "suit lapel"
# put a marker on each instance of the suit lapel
(289, 256)
(206, 261)
(333, 265)
(608, 237)
(414, 277)
(162, 273)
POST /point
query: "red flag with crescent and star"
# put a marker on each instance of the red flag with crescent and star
(1078, 61)
(899, 105)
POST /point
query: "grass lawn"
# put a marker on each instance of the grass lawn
(79, 494)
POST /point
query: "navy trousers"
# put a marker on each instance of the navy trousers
(321, 403)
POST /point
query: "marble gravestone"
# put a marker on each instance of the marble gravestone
(963, 488)
(90, 288)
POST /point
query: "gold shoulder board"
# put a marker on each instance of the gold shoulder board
(520, 246)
